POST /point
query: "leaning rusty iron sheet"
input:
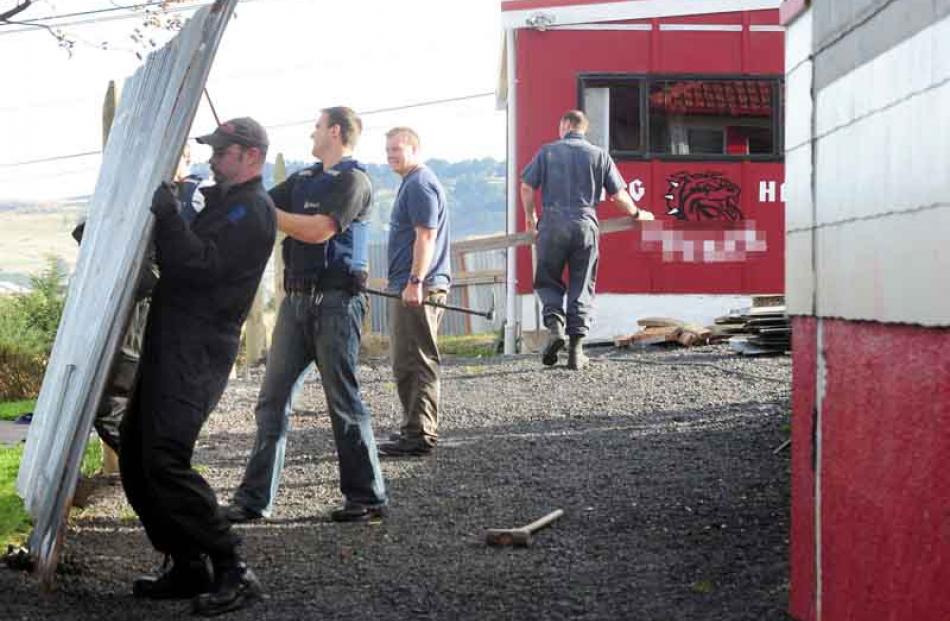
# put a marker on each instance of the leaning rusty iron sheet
(150, 127)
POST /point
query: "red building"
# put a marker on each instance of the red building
(687, 97)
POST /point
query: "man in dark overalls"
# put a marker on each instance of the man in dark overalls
(571, 174)
(324, 211)
(209, 274)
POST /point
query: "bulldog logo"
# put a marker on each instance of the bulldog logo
(702, 196)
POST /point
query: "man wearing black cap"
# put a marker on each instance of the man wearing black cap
(209, 276)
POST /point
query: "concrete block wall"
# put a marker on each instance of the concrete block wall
(867, 260)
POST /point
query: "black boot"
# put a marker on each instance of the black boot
(552, 347)
(236, 586)
(576, 359)
(181, 578)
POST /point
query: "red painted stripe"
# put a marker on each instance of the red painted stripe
(801, 600)
(885, 480)
(521, 5)
(885, 524)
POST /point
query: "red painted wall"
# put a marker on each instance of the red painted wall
(885, 520)
(548, 65)
(801, 602)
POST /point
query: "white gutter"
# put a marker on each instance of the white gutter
(545, 17)
(511, 291)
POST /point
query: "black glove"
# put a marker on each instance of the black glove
(358, 282)
(78, 231)
(164, 202)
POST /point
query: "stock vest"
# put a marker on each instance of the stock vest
(331, 264)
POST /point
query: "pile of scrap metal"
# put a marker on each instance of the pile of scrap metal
(760, 330)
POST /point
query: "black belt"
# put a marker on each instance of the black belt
(308, 288)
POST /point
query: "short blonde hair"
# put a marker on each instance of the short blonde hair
(407, 133)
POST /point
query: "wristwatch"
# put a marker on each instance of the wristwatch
(414, 280)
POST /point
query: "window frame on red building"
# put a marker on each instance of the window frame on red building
(645, 80)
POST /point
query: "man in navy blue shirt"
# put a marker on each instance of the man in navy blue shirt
(571, 174)
(418, 272)
(323, 210)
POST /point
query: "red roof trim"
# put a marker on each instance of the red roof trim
(521, 5)
(791, 9)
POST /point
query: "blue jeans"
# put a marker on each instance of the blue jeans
(324, 328)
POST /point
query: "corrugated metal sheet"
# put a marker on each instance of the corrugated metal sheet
(147, 136)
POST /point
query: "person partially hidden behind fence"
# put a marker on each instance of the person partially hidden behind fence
(571, 174)
(121, 379)
(124, 369)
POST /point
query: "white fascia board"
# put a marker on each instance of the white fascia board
(702, 27)
(631, 9)
(612, 27)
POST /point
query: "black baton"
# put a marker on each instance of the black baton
(489, 314)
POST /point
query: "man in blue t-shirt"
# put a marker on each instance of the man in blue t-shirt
(418, 272)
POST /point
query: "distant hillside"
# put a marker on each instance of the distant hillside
(32, 231)
(475, 192)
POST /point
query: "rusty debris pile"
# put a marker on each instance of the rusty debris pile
(762, 329)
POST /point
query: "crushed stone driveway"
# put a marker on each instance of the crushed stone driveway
(676, 504)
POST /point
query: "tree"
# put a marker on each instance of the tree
(156, 15)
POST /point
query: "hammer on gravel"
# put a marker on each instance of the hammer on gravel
(520, 537)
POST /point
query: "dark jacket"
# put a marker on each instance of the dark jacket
(212, 269)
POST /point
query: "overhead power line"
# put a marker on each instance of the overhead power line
(54, 158)
(33, 22)
(419, 104)
(111, 9)
(83, 17)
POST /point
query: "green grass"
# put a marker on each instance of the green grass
(469, 345)
(92, 458)
(9, 410)
(14, 521)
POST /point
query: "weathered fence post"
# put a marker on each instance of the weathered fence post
(110, 460)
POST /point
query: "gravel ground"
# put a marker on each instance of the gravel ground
(675, 505)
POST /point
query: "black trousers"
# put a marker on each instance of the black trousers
(184, 370)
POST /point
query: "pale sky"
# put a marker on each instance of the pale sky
(280, 61)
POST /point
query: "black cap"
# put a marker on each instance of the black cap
(244, 131)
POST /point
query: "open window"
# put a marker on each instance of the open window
(673, 117)
(614, 108)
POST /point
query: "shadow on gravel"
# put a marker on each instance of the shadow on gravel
(661, 521)
(671, 512)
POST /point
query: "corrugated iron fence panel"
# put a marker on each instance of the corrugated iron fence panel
(150, 127)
